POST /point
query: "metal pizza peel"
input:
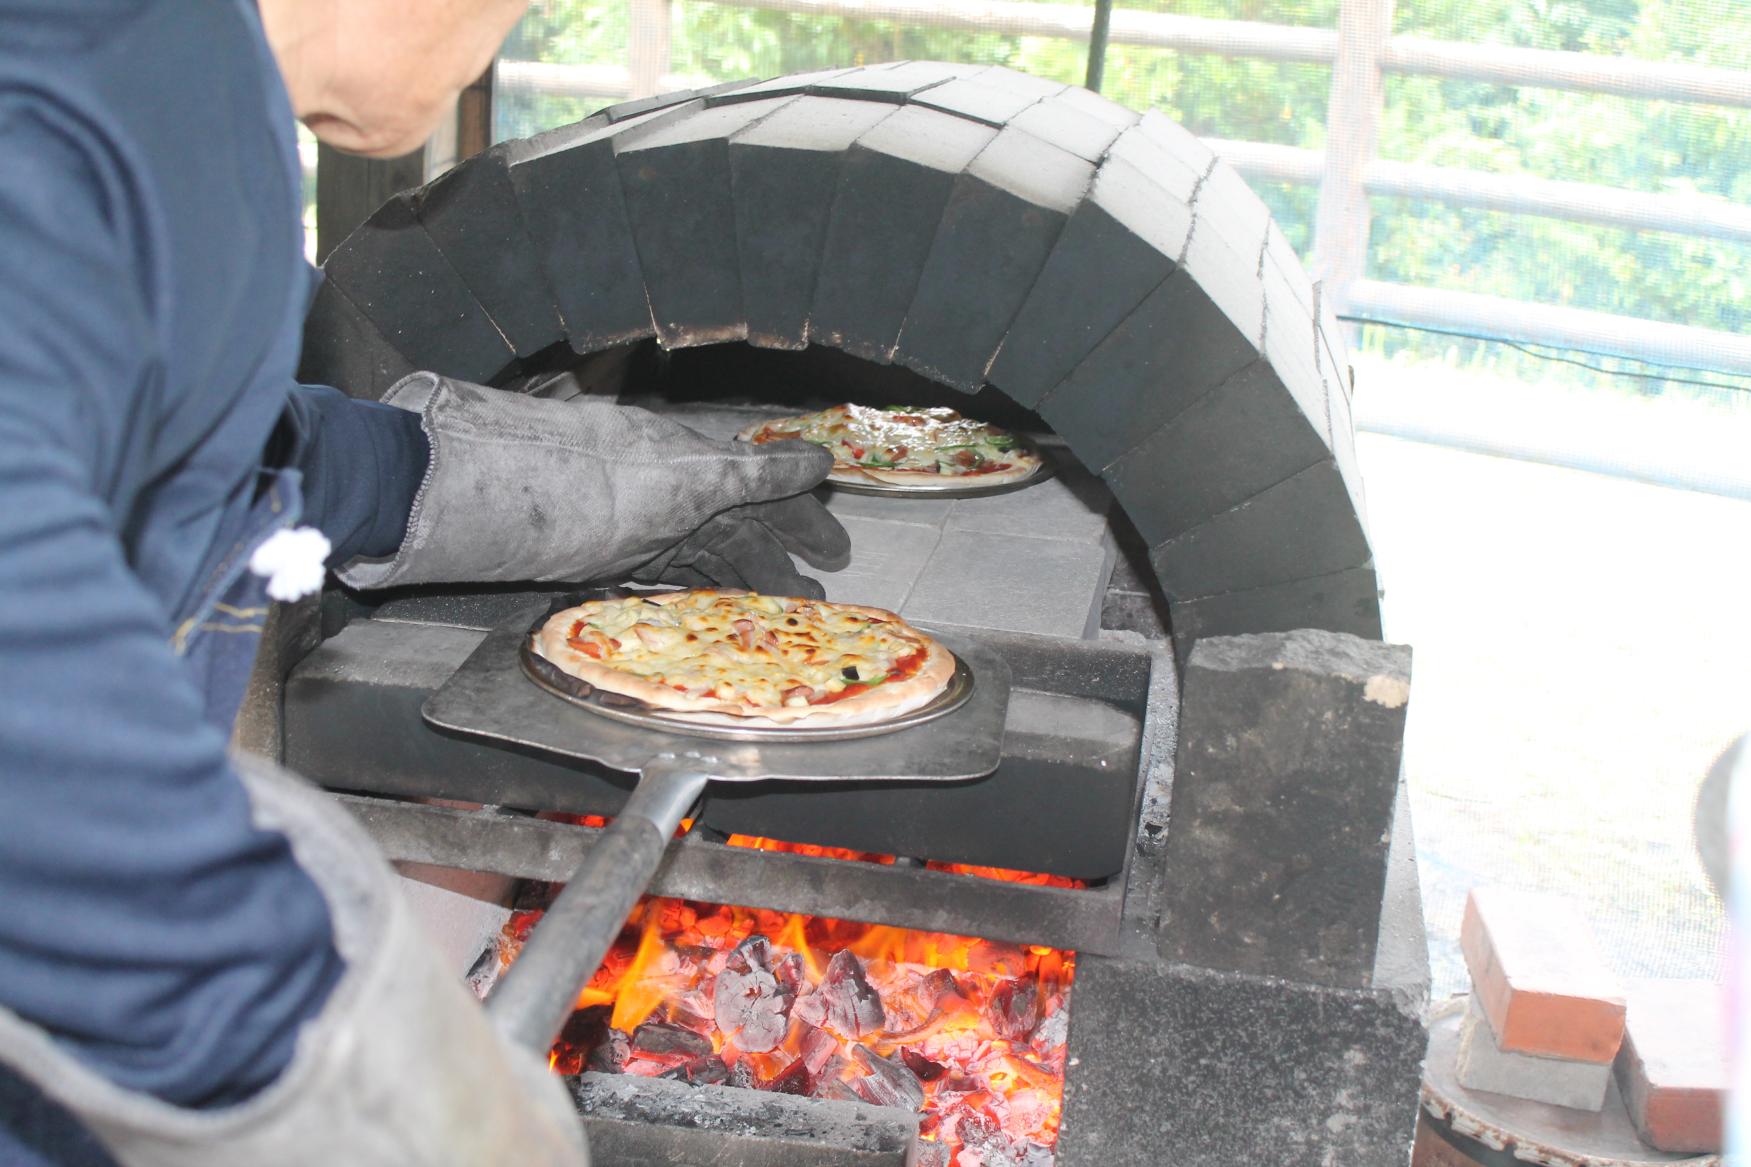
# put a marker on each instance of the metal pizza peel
(494, 696)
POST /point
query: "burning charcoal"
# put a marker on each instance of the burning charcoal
(1013, 1009)
(662, 1039)
(927, 1070)
(1051, 1034)
(749, 1002)
(688, 1019)
(817, 1046)
(612, 1055)
(699, 1072)
(886, 1082)
(586, 1028)
(789, 972)
(936, 985)
(742, 1075)
(933, 1154)
(853, 1007)
(793, 1079)
(812, 1009)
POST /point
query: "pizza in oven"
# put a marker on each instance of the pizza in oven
(906, 446)
(707, 654)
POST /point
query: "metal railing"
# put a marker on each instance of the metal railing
(1360, 52)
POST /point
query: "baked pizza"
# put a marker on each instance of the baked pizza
(906, 446)
(709, 654)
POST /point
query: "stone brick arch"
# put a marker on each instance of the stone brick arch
(975, 225)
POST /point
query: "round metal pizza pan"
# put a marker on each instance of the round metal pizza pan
(952, 489)
(631, 711)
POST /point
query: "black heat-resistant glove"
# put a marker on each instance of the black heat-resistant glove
(530, 488)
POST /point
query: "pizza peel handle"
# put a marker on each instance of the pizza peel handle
(532, 1000)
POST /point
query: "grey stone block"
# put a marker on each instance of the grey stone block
(1285, 776)
(893, 82)
(1176, 178)
(1280, 253)
(471, 213)
(1229, 274)
(343, 349)
(395, 275)
(1235, 441)
(988, 97)
(784, 172)
(569, 192)
(887, 557)
(1483, 1065)
(1015, 583)
(1177, 346)
(786, 86)
(893, 185)
(1182, 1066)
(679, 202)
(1304, 526)
(1343, 444)
(1178, 141)
(1291, 346)
(1103, 109)
(1072, 506)
(996, 231)
(1229, 207)
(1068, 126)
(1118, 246)
(1345, 601)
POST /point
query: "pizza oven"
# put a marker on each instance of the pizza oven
(1198, 806)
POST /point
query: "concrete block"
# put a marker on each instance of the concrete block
(1071, 506)
(1304, 526)
(1233, 210)
(1342, 429)
(986, 97)
(1183, 1066)
(471, 213)
(1291, 346)
(1175, 347)
(887, 557)
(1345, 601)
(1673, 1067)
(1100, 108)
(630, 109)
(1136, 148)
(1228, 274)
(784, 172)
(1178, 141)
(1117, 247)
(894, 82)
(787, 86)
(1483, 1065)
(569, 191)
(1068, 126)
(893, 185)
(461, 911)
(394, 274)
(1538, 975)
(1227, 446)
(679, 201)
(343, 349)
(1285, 776)
(997, 229)
(1014, 583)
(1281, 254)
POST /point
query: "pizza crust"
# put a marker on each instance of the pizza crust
(1026, 463)
(877, 703)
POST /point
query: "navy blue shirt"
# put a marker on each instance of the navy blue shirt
(152, 289)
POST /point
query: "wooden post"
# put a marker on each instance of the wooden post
(349, 188)
(474, 129)
(648, 46)
(1352, 120)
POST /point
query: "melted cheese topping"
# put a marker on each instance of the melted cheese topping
(936, 440)
(757, 649)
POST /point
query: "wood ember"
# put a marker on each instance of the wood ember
(742, 1075)
(927, 1070)
(849, 1006)
(663, 1038)
(886, 1082)
(699, 1071)
(1013, 1009)
(750, 1003)
(612, 1055)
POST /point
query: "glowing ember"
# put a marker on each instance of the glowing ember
(968, 1032)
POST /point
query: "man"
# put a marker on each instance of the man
(201, 961)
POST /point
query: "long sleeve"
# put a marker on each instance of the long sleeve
(363, 462)
(144, 920)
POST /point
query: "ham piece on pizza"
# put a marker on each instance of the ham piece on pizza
(906, 446)
(709, 654)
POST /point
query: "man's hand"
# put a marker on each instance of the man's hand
(528, 488)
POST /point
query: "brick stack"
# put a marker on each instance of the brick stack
(1546, 1015)
(1549, 1022)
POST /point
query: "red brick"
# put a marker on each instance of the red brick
(1672, 1069)
(1537, 972)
